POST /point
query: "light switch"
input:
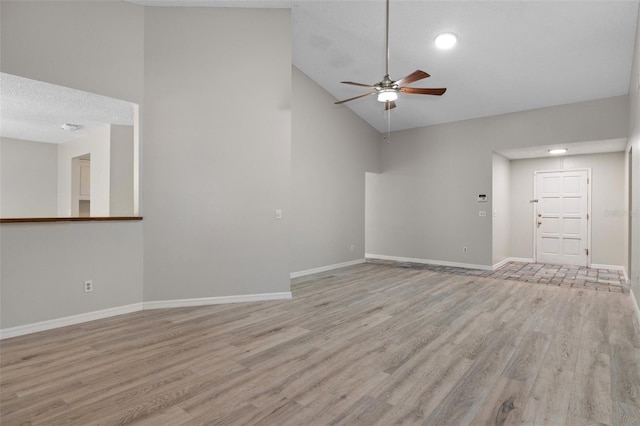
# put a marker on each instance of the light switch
(278, 214)
(482, 213)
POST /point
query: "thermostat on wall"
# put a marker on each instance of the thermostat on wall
(482, 198)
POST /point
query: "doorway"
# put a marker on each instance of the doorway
(562, 212)
(81, 186)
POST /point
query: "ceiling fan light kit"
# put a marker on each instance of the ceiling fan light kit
(387, 95)
(387, 90)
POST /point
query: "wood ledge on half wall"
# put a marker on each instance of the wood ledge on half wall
(69, 219)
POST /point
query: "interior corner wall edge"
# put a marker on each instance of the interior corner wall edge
(634, 141)
(501, 209)
(332, 148)
(427, 194)
(217, 147)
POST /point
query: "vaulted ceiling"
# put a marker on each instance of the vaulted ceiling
(511, 55)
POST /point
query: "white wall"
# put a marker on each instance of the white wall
(97, 143)
(92, 46)
(608, 240)
(217, 148)
(634, 142)
(501, 208)
(332, 148)
(431, 176)
(28, 178)
(121, 172)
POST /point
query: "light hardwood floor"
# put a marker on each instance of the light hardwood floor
(368, 344)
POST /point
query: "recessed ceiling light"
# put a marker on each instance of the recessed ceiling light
(446, 40)
(70, 127)
(558, 151)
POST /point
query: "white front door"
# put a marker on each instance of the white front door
(561, 217)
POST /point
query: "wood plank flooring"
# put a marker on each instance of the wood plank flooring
(369, 344)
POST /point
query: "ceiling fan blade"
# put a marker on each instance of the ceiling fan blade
(421, 91)
(414, 76)
(354, 98)
(357, 84)
(389, 105)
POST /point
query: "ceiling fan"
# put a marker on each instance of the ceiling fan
(387, 90)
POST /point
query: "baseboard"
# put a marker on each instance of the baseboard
(70, 320)
(521, 259)
(612, 267)
(512, 259)
(635, 306)
(203, 301)
(501, 263)
(326, 268)
(161, 304)
(428, 261)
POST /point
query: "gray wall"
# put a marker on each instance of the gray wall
(501, 212)
(634, 143)
(44, 267)
(96, 46)
(431, 177)
(215, 172)
(92, 46)
(217, 146)
(28, 178)
(332, 148)
(608, 240)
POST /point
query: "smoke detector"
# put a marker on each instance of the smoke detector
(70, 127)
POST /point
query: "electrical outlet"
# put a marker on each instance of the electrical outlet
(465, 250)
(88, 286)
(278, 214)
(352, 247)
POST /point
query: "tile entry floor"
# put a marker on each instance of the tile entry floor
(559, 275)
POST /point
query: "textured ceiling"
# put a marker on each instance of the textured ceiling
(33, 110)
(511, 56)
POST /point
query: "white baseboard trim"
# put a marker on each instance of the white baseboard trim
(70, 320)
(203, 301)
(612, 267)
(428, 261)
(512, 259)
(635, 306)
(160, 304)
(501, 263)
(326, 268)
(521, 259)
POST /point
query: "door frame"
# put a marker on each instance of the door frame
(535, 205)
